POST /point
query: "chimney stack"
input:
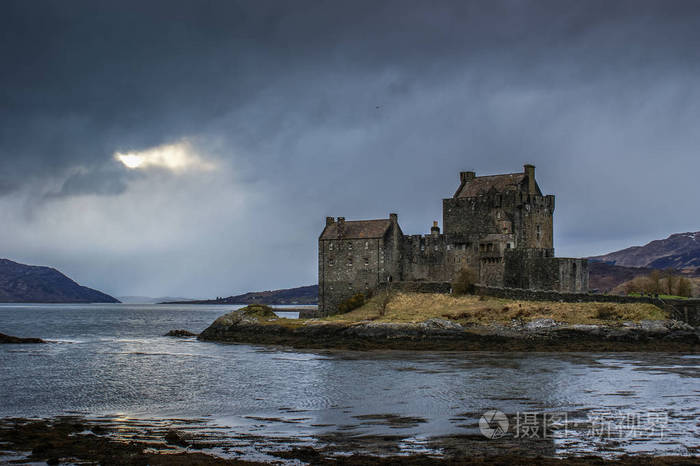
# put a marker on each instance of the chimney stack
(394, 218)
(464, 177)
(341, 227)
(435, 230)
(530, 172)
(329, 221)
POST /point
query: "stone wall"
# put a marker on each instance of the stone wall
(527, 217)
(347, 267)
(538, 269)
(423, 258)
(573, 275)
(534, 222)
(687, 311)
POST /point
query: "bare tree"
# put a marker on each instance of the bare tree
(684, 287)
(385, 297)
(654, 282)
(671, 279)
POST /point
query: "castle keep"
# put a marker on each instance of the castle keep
(499, 226)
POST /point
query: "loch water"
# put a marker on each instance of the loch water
(112, 361)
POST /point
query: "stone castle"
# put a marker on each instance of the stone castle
(500, 226)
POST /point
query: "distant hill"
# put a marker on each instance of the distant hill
(604, 277)
(20, 283)
(680, 251)
(302, 295)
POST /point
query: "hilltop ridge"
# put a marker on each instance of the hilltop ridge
(680, 251)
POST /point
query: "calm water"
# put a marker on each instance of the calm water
(112, 360)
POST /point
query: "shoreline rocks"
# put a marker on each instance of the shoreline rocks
(446, 335)
(180, 333)
(8, 339)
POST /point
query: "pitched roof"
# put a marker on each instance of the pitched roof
(358, 229)
(483, 184)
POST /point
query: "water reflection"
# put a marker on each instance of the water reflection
(115, 360)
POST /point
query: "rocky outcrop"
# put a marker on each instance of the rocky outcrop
(438, 334)
(10, 339)
(180, 333)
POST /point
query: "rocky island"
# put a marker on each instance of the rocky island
(414, 321)
(9, 339)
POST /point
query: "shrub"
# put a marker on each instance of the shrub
(464, 282)
(259, 311)
(351, 303)
(607, 313)
(684, 287)
(384, 299)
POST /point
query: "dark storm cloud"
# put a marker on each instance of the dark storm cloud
(358, 109)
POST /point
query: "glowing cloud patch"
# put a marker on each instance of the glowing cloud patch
(177, 157)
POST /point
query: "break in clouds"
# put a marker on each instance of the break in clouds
(181, 148)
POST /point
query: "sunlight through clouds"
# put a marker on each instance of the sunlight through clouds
(176, 157)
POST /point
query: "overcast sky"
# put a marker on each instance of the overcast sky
(195, 148)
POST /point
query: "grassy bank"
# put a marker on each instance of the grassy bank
(477, 310)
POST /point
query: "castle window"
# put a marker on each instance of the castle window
(366, 244)
(437, 247)
(366, 261)
(422, 247)
(331, 262)
(449, 246)
(330, 247)
(349, 246)
(349, 261)
(539, 232)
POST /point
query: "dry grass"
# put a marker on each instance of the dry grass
(417, 307)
